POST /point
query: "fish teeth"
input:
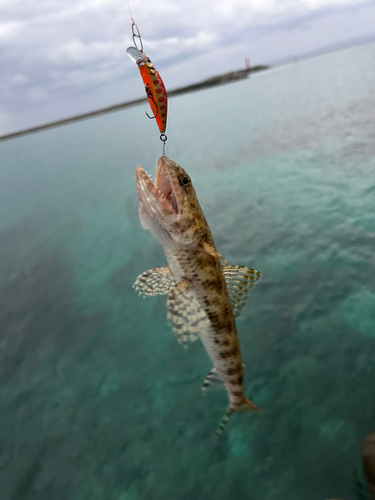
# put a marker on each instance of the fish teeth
(149, 175)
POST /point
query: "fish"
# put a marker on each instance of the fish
(205, 294)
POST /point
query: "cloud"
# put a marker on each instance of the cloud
(54, 52)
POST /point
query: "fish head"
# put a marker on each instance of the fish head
(169, 207)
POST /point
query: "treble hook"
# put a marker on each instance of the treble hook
(151, 97)
(136, 34)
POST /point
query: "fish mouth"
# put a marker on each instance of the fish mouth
(164, 193)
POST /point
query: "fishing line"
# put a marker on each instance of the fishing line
(130, 11)
(303, 5)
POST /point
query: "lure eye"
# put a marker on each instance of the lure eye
(185, 181)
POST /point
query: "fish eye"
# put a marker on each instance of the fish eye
(185, 180)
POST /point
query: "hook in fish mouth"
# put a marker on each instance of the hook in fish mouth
(164, 192)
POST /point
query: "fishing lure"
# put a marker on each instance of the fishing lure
(154, 86)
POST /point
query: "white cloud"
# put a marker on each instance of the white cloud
(20, 79)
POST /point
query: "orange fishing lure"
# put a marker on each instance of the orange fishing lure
(154, 86)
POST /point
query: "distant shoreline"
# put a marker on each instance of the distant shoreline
(210, 82)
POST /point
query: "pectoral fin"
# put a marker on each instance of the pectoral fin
(184, 313)
(156, 281)
(240, 280)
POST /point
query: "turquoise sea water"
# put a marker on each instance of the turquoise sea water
(97, 399)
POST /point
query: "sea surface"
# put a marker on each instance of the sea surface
(97, 399)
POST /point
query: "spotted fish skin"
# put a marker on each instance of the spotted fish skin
(219, 337)
(203, 294)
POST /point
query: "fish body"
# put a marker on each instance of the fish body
(204, 296)
(154, 86)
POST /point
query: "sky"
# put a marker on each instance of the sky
(59, 58)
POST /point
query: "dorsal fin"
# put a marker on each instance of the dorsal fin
(211, 251)
(240, 280)
(212, 381)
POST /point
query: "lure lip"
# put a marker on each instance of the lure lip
(136, 56)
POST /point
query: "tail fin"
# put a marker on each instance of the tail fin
(248, 405)
(245, 405)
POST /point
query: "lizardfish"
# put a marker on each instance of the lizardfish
(204, 293)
